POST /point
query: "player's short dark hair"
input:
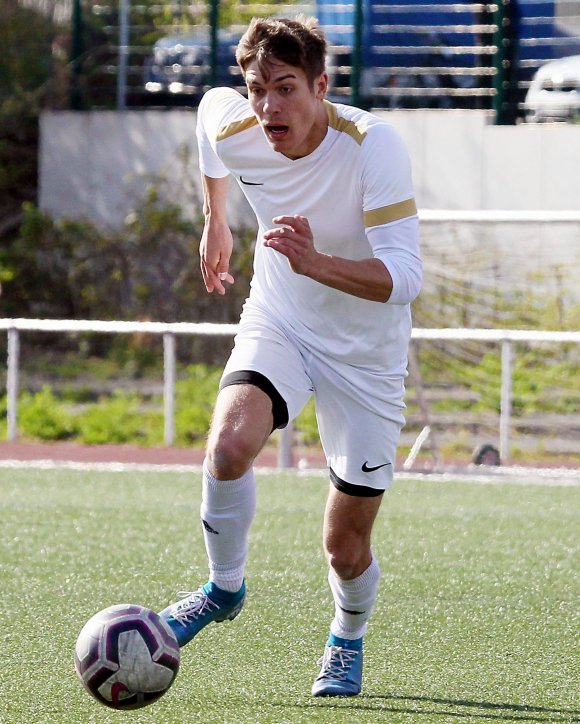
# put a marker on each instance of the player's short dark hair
(297, 42)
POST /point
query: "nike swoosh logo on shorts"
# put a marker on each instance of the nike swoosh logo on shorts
(249, 183)
(366, 469)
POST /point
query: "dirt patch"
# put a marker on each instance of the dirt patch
(74, 452)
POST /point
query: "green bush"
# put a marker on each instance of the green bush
(194, 401)
(306, 425)
(75, 269)
(120, 419)
(537, 375)
(543, 382)
(3, 418)
(42, 416)
(195, 398)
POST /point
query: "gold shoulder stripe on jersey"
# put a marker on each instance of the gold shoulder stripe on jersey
(343, 125)
(392, 212)
(236, 127)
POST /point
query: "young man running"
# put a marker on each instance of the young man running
(337, 264)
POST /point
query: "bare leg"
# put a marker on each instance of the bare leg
(242, 422)
(348, 523)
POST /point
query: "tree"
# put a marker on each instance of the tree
(26, 67)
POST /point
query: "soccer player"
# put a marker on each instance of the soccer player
(337, 264)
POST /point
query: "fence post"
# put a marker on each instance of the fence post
(504, 102)
(12, 383)
(214, 7)
(123, 55)
(77, 50)
(286, 447)
(355, 77)
(169, 388)
(506, 399)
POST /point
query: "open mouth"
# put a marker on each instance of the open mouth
(277, 131)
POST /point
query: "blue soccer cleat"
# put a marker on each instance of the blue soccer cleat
(341, 672)
(195, 610)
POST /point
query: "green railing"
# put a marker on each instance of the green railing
(410, 55)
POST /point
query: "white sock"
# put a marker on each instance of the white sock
(227, 510)
(353, 601)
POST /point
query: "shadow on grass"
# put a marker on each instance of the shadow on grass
(503, 711)
(462, 708)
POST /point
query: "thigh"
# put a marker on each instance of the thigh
(360, 416)
(241, 422)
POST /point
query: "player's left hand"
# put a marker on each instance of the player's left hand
(293, 238)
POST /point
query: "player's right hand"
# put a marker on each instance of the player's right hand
(215, 250)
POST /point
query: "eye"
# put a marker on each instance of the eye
(286, 89)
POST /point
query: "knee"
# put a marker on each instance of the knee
(348, 557)
(229, 455)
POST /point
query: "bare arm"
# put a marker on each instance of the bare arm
(215, 248)
(364, 278)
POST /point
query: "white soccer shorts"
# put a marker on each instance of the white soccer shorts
(359, 411)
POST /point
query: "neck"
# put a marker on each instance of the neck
(317, 134)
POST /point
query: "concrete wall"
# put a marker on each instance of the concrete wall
(94, 164)
(462, 161)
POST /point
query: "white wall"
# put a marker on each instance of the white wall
(92, 164)
(462, 161)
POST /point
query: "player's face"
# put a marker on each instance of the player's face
(289, 108)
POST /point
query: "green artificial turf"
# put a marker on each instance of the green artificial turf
(477, 619)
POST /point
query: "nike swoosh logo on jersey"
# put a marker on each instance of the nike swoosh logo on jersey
(249, 183)
(366, 469)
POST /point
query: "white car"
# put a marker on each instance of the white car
(554, 93)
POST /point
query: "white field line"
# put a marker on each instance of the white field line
(527, 477)
(549, 477)
(112, 467)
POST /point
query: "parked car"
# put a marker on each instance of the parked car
(554, 93)
(181, 65)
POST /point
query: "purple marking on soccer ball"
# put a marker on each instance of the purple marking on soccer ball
(126, 656)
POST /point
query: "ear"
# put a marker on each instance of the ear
(321, 86)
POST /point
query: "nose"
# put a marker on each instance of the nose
(271, 103)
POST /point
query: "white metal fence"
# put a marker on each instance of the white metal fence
(14, 327)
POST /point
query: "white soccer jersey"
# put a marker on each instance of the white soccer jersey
(356, 191)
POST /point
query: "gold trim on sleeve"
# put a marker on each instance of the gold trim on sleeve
(236, 127)
(392, 212)
(342, 124)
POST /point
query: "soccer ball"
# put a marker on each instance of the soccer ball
(127, 656)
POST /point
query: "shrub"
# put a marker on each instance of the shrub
(306, 425)
(120, 419)
(42, 416)
(194, 401)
